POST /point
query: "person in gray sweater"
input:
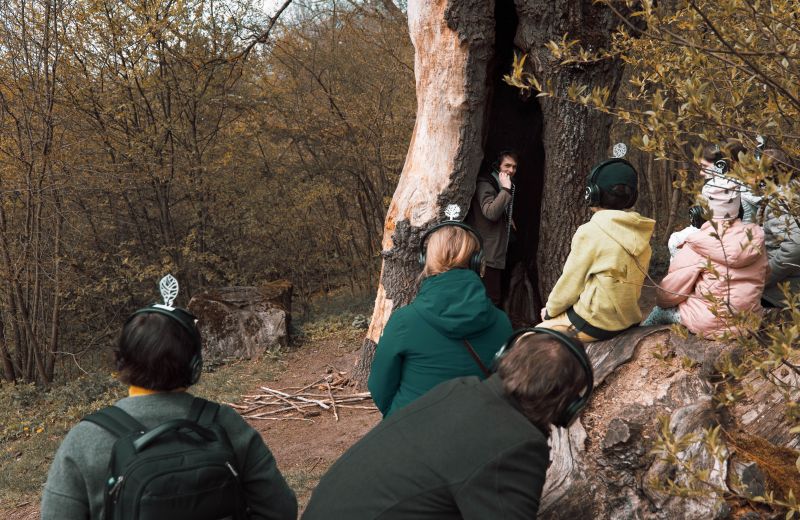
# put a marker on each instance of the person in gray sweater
(159, 359)
(781, 235)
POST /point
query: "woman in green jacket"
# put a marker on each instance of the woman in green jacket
(429, 340)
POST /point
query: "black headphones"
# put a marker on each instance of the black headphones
(475, 261)
(721, 166)
(697, 216)
(593, 192)
(186, 320)
(572, 344)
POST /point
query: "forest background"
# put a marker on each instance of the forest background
(139, 138)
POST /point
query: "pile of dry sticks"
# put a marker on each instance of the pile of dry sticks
(299, 404)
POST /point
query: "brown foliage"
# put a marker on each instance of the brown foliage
(139, 138)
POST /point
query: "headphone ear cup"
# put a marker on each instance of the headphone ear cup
(697, 216)
(196, 366)
(592, 194)
(421, 257)
(476, 261)
(633, 199)
(570, 413)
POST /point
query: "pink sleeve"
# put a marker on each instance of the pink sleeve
(679, 283)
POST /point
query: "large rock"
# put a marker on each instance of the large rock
(650, 382)
(243, 322)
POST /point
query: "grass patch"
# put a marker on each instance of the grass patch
(339, 303)
(34, 421)
(303, 482)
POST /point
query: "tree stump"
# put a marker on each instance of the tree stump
(243, 322)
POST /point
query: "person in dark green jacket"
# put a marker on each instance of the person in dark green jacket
(468, 449)
(423, 343)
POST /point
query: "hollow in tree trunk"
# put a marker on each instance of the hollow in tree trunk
(466, 114)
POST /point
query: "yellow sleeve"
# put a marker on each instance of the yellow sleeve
(570, 284)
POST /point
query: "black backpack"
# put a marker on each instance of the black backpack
(183, 469)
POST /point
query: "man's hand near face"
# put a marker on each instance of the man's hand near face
(505, 180)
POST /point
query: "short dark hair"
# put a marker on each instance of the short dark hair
(507, 153)
(712, 153)
(618, 196)
(543, 376)
(155, 352)
(729, 151)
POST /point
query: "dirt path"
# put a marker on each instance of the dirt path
(304, 449)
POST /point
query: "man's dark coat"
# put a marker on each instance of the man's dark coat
(463, 450)
(488, 215)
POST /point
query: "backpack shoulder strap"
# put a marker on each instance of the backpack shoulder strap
(115, 420)
(476, 357)
(203, 411)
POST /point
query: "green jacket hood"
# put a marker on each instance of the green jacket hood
(627, 228)
(455, 304)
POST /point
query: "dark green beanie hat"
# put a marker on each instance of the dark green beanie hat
(616, 171)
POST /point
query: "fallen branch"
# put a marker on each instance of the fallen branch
(333, 402)
(282, 419)
(299, 398)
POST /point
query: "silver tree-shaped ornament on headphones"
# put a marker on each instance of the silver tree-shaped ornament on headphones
(619, 151)
(169, 291)
(452, 211)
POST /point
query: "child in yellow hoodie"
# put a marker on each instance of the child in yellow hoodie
(597, 295)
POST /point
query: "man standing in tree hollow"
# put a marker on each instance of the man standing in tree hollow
(491, 215)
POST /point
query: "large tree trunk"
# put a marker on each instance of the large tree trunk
(574, 137)
(604, 465)
(466, 114)
(453, 43)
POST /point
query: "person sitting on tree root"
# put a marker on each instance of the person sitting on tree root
(491, 215)
(718, 272)
(450, 329)
(597, 295)
(467, 449)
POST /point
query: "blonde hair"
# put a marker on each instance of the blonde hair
(448, 248)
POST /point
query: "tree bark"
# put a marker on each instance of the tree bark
(454, 45)
(574, 137)
(453, 42)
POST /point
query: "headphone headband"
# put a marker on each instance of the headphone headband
(456, 223)
(576, 348)
(475, 261)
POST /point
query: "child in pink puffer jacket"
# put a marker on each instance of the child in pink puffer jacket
(718, 271)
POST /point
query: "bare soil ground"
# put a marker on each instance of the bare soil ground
(305, 449)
